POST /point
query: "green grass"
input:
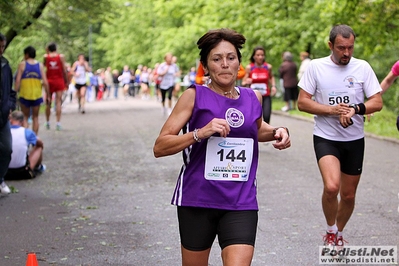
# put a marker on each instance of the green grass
(381, 123)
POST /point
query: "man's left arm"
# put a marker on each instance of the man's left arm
(374, 103)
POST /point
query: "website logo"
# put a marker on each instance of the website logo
(348, 255)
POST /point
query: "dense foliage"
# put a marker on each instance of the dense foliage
(141, 32)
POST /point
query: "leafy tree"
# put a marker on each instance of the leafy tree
(141, 32)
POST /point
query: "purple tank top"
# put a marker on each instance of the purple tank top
(219, 173)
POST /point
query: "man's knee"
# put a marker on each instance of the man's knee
(331, 190)
(348, 197)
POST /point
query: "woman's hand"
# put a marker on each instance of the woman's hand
(282, 137)
(216, 125)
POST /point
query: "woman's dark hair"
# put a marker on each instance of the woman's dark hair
(213, 37)
(30, 51)
(52, 47)
(343, 30)
(257, 48)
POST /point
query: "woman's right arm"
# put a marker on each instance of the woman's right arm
(169, 141)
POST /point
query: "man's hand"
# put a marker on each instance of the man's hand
(345, 119)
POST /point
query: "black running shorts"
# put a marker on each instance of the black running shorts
(199, 226)
(79, 86)
(19, 173)
(349, 153)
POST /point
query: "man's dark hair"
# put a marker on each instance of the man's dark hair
(343, 30)
(213, 37)
(2, 38)
(30, 51)
(52, 47)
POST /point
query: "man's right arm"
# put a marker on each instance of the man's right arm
(308, 105)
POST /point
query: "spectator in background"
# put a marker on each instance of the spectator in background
(191, 75)
(177, 86)
(115, 76)
(288, 73)
(145, 83)
(157, 80)
(25, 162)
(135, 82)
(125, 78)
(7, 104)
(92, 87)
(305, 60)
(108, 80)
(101, 84)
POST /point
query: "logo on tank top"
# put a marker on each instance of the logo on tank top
(53, 64)
(234, 117)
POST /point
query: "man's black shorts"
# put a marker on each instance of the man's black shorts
(349, 153)
(19, 173)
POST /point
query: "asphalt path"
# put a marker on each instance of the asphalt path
(105, 199)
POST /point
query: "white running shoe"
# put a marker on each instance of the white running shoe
(4, 189)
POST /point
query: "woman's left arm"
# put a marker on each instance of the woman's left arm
(267, 132)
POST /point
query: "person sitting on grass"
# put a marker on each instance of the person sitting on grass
(25, 162)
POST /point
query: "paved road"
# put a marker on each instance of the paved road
(105, 200)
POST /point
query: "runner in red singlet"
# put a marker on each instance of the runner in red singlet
(57, 79)
(259, 77)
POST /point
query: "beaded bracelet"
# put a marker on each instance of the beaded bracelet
(195, 135)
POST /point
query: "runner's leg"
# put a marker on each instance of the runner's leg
(35, 119)
(347, 199)
(330, 171)
(59, 97)
(26, 111)
(82, 98)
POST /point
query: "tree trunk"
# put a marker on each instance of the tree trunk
(12, 33)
